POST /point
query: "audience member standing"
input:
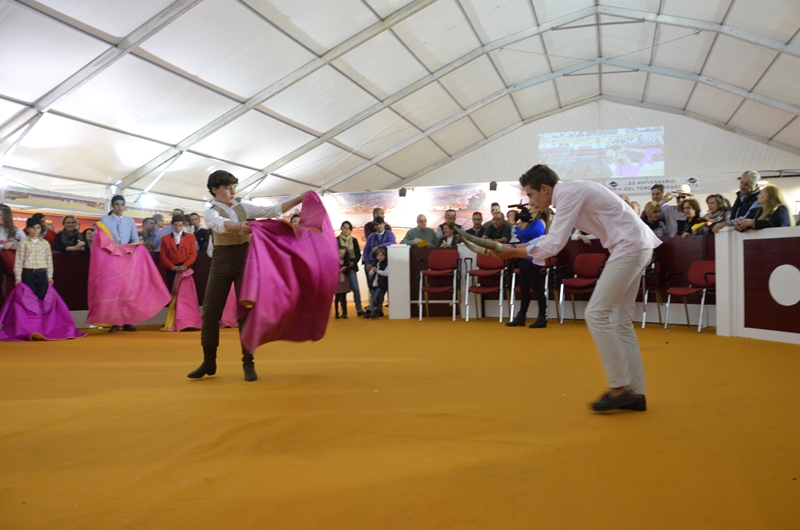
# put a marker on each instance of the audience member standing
(379, 275)
(70, 238)
(746, 199)
(420, 233)
(449, 216)
(370, 228)
(477, 229)
(47, 235)
(161, 230)
(499, 230)
(201, 235)
(340, 300)
(718, 210)
(353, 249)
(652, 212)
(673, 216)
(34, 260)
(772, 211)
(10, 235)
(530, 274)
(380, 239)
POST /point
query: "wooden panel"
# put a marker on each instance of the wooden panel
(761, 258)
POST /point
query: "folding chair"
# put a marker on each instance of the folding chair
(441, 263)
(702, 277)
(586, 269)
(650, 283)
(488, 269)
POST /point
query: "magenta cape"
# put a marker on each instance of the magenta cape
(184, 313)
(25, 317)
(124, 284)
(290, 277)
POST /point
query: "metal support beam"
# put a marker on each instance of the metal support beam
(100, 63)
(730, 31)
(457, 116)
(562, 72)
(279, 86)
(410, 89)
(612, 99)
(10, 151)
(710, 81)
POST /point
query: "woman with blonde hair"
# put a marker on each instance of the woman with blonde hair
(772, 212)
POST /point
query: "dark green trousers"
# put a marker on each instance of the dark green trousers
(227, 266)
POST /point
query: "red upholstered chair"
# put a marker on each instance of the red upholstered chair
(548, 271)
(489, 278)
(702, 278)
(650, 283)
(586, 269)
(441, 263)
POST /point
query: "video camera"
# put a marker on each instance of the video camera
(524, 213)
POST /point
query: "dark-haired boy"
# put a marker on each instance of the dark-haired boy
(227, 220)
(33, 263)
(178, 250)
(123, 232)
(593, 208)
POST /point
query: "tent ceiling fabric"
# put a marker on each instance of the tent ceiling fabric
(363, 94)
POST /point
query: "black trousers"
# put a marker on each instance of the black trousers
(36, 279)
(227, 266)
(171, 278)
(530, 276)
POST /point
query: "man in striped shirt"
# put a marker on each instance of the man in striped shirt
(34, 260)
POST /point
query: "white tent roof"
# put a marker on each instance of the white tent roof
(348, 95)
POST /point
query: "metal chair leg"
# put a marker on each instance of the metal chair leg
(702, 305)
(644, 308)
(561, 304)
(419, 298)
(513, 299)
(455, 295)
(666, 317)
(686, 308)
(469, 284)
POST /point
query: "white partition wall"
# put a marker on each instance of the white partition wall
(758, 284)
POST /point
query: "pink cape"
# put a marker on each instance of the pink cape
(124, 284)
(25, 317)
(184, 313)
(290, 277)
(230, 314)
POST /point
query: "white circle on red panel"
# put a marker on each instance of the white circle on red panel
(784, 285)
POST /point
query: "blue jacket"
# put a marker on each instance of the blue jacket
(535, 229)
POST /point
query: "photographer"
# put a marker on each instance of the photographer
(530, 275)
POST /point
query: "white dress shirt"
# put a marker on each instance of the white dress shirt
(215, 222)
(594, 209)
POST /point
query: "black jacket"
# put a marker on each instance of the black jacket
(740, 206)
(778, 218)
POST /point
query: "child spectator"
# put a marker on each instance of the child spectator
(34, 260)
(178, 250)
(344, 283)
(379, 279)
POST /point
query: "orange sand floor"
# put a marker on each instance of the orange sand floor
(398, 424)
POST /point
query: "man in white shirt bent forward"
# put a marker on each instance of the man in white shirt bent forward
(594, 209)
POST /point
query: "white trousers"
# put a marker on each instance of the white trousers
(609, 317)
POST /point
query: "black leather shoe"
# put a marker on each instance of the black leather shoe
(628, 401)
(113, 329)
(337, 316)
(128, 327)
(515, 323)
(538, 324)
(344, 317)
(207, 368)
(359, 313)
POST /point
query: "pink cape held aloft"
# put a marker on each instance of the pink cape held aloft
(124, 284)
(290, 278)
(25, 317)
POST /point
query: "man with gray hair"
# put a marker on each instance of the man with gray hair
(420, 233)
(746, 199)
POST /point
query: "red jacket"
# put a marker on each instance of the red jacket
(171, 254)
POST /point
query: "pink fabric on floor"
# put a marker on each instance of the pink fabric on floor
(187, 312)
(229, 315)
(124, 284)
(290, 277)
(25, 317)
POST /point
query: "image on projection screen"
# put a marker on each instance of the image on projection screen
(629, 152)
